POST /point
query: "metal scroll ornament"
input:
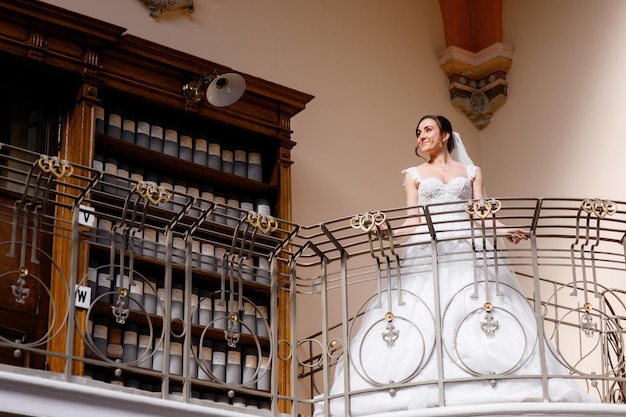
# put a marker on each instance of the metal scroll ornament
(391, 334)
(586, 321)
(58, 167)
(601, 208)
(20, 292)
(489, 325)
(262, 222)
(120, 311)
(367, 221)
(153, 192)
(483, 208)
(231, 334)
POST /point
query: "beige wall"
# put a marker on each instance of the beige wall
(562, 132)
(372, 65)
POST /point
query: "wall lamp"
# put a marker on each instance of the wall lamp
(220, 91)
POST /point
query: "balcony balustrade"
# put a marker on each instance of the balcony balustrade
(124, 296)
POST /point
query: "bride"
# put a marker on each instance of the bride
(487, 328)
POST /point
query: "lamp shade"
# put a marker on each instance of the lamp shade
(225, 89)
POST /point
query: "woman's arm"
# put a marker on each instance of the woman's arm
(512, 234)
(412, 200)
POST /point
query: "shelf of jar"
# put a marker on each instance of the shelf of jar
(206, 269)
(182, 169)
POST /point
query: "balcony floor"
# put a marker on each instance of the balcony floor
(26, 393)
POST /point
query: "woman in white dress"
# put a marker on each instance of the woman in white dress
(488, 332)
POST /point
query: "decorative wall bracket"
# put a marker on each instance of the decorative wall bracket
(157, 7)
(477, 81)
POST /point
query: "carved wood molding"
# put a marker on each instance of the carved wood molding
(157, 7)
(477, 81)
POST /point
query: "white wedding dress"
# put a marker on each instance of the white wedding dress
(475, 345)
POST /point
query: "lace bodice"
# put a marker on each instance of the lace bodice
(433, 191)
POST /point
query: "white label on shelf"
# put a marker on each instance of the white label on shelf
(179, 243)
(265, 363)
(227, 155)
(130, 337)
(195, 246)
(83, 297)
(86, 216)
(176, 348)
(205, 303)
(220, 305)
(248, 309)
(137, 287)
(143, 128)
(149, 289)
(219, 358)
(193, 191)
(241, 155)
(129, 125)
(251, 361)
(150, 235)
(208, 249)
(214, 149)
(103, 279)
(99, 112)
(156, 131)
(177, 294)
(145, 341)
(254, 158)
(186, 141)
(206, 353)
(100, 331)
(115, 120)
(171, 135)
(234, 357)
(261, 312)
(201, 145)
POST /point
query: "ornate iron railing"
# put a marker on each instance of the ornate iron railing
(571, 271)
(185, 299)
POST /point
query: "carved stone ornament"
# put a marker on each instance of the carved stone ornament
(157, 7)
(477, 81)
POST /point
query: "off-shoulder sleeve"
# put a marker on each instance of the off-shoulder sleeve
(413, 172)
(471, 171)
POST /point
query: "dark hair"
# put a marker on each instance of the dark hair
(444, 126)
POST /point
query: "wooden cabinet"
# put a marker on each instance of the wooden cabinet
(70, 84)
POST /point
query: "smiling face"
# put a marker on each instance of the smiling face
(429, 137)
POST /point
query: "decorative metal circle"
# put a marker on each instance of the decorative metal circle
(359, 345)
(469, 332)
(279, 355)
(57, 321)
(308, 354)
(522, 357)
(597, 328)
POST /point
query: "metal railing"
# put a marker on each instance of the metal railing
(355, 272)
(185, 298)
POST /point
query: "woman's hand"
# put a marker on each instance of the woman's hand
(516, 235)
